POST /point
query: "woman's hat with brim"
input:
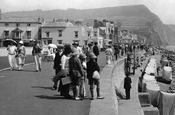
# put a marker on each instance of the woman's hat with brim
(82, 56)
(92, 55)
(74, 52)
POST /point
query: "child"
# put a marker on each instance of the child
(127, 85)
(82, 58)
(92, 66)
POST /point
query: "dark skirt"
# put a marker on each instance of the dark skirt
(93, 81)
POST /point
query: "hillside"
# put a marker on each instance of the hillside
(136, 16)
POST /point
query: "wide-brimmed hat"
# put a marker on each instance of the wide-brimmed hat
(75, 43)
(82, 56)
(75, 52)
(21, 42)
(92, 55)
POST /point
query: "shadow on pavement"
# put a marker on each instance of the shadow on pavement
(41, 87)
(49, 97)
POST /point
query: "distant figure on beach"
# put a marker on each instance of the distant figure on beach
(127, 86)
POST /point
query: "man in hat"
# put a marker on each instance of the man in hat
(11, 55)
(21, 54)
(76, 72)
(96, 50)
(36, 52)
(76, 46)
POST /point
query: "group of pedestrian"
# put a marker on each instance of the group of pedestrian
(72, 69)
(16, 55)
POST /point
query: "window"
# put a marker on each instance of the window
(49, 41)
(17, 24)
(95, 34)
(60, 41)
(17, 34)
(6, 24)
(28, 24)
(45, 42)
(47, 34)
(76, 34)
(28, 34)
(6, 34)
(59, 33)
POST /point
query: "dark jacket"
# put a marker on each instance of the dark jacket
(91, 67)
(36, 50)
(57, 61)
(75, 67)
(96, 50)
(127, 83)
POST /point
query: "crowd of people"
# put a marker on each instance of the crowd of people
(16, 55)
(73, 66)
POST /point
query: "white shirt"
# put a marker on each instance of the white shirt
(12, 50)
(64, 62)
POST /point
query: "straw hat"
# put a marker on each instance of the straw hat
(92, 55)
(82, 56)
(75, 43)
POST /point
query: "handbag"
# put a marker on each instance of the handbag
(66, 80)
(96, 75)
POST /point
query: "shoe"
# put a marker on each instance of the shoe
(92, 98)
(68, 97)
(54, 88)
(100, 97)
(77, 98)
(39, 69)
(36, 70)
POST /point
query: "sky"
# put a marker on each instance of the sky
(165, 9)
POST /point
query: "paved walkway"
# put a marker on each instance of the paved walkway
(112, 76)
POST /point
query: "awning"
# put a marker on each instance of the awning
(17, 30)
(28, 29)
(6, 29)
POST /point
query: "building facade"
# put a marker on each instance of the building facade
(65, 33)
(19, 28)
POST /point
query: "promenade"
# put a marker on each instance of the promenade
(111, 76)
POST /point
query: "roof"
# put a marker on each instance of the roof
(19, 19)
(17, 30)
(57, 24)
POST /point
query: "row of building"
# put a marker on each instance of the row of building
(28, 29)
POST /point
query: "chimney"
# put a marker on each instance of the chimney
(39, 20)
(0, 15)
(95, 23)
